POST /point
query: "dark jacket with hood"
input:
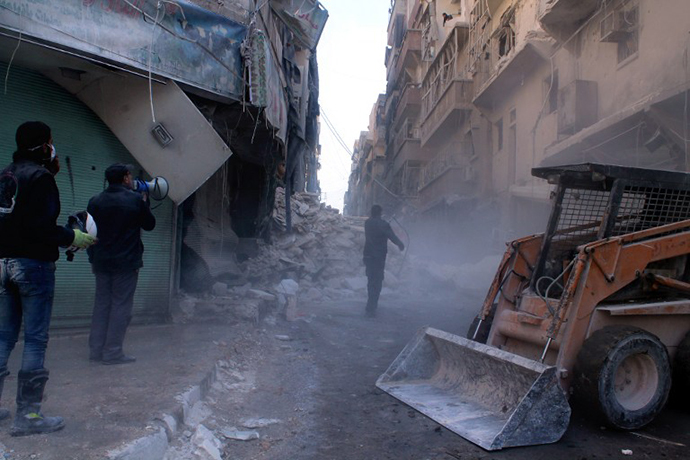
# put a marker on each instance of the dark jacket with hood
(120, 215)
(30, 230)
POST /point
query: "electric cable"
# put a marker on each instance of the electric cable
(9, 65)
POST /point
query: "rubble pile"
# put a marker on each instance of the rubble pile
(321, 260)
(323, 253)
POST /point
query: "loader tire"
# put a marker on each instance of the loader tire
(623, 376)
(681, 371)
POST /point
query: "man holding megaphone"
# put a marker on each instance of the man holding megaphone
(120, 213)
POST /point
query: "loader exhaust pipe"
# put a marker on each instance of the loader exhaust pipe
(490, 397)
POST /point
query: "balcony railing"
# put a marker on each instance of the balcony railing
(446, 68)
(409, 103)
(455, 156)
(408, 132)
(411, 45)
(406, 181)
(456, 97)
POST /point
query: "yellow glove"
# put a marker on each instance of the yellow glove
(82, 240)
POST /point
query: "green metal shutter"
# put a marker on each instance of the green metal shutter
(86, 147)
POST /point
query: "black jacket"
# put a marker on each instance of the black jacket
(120, 215)
(377, 233)
(31, 230)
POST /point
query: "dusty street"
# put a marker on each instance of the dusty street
(312, 380)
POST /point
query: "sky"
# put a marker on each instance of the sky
(352, 74)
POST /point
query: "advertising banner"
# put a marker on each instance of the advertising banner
(305, 18)
(177, 40)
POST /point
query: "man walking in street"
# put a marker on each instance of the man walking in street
(29, 241)
(377, 232)
(120, 214)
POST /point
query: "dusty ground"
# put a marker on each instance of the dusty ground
(318, 387)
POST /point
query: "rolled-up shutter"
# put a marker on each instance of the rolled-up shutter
(85, 147)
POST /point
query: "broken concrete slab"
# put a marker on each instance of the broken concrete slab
(207, 445)
(234, 433)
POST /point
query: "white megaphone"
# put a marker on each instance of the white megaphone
(157, 188)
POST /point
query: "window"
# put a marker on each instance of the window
(506, 41)
(621, 25)
(630, 21)
(498, 127)
(505, 36)
(551, 91)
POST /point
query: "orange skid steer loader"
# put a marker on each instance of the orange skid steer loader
(597, 307)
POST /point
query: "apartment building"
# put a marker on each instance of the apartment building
(481, 91)
(211, 96)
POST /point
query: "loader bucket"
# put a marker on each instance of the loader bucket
(490, 397)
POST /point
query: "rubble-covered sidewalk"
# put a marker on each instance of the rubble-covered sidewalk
(107, 408)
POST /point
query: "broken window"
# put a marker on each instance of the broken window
(551, 91)
(621, 26)
(630, 21)
(429, 33)
(505, 35)
(506, 41)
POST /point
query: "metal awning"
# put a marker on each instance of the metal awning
(122, 99)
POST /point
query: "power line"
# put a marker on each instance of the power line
(332, 129)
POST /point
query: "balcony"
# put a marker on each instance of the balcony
(406, 146)
(453, 159)
(446, 90)
(562, 17)
(406, 180)
(450, 108)
(508, 72)
(409, 56)
(409, 103)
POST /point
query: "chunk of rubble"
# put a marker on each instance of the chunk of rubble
(262, 295)
(259, 422)
(234, 433)
(206, 445)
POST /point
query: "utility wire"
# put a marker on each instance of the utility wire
(333, 130)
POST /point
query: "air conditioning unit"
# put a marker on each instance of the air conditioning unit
(613, 28)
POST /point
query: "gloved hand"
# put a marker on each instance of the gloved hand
(401, 247)
(82, 240)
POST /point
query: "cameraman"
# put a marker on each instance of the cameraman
(120, 214)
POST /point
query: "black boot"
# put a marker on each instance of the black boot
(4, 413)
(29, 419)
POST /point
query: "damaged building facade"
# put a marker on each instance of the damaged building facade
(481, 91)
(220, 98)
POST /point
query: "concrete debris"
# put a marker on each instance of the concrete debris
(263, 295)
(284, 338)
(626, 452)
(220, 289)
(321, 261)
(259, 422)
(234, 433)
(356, 284)
(207, 445)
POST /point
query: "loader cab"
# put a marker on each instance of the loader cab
(593, 202)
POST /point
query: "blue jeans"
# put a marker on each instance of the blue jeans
(27, 287)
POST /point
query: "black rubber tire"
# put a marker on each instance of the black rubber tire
(623, 376)
(681, 371)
